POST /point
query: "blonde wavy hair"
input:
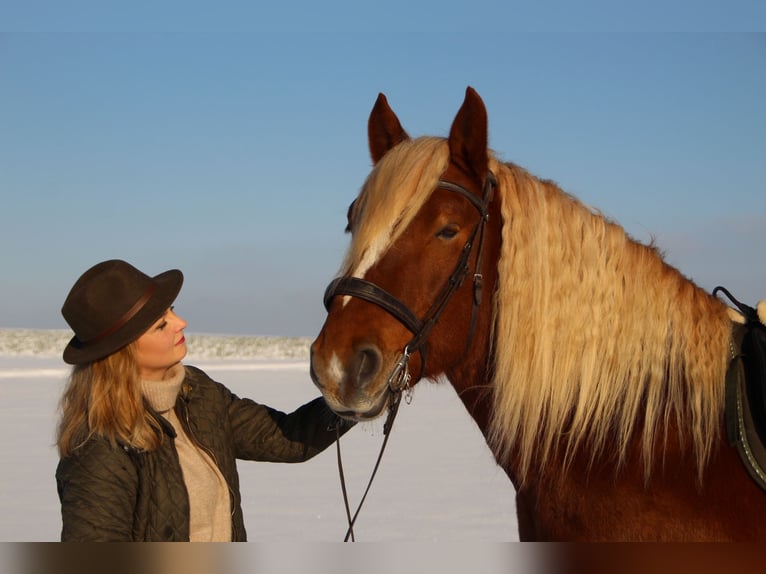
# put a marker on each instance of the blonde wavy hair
(104, 398)
(595, 333)
(595, 337)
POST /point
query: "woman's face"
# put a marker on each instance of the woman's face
(161, 347)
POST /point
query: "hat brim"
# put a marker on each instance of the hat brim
(168, 286)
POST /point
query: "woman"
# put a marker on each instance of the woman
(148, 446)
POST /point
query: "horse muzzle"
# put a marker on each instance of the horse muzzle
(354, 389)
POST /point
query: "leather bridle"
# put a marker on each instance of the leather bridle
(421, 327)
(399, 378)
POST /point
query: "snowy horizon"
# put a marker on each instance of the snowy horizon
(50, 343)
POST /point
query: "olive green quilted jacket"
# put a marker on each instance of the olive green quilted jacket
(117, 493)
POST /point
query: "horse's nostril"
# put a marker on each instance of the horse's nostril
(366, 365)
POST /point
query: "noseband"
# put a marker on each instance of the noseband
(421, 327)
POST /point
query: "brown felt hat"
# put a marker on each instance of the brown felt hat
(111, 305)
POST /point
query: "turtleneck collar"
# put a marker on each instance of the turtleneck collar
(162, 395)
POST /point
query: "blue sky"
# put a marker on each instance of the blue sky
(229, 143)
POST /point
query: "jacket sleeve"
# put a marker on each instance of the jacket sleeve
(97, 488)
(266, 434)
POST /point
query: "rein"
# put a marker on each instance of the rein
(392, 410)
(399, 379)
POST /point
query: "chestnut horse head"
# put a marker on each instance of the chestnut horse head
(575, 348)
(415, 269)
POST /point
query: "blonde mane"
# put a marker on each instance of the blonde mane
(595, 337)
(594, 334)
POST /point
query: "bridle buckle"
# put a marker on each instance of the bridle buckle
(400, 377)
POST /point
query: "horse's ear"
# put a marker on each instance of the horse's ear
(468, 137)
(383, 129)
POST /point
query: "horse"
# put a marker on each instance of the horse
(594, 369)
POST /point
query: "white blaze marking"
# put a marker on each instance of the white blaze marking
(335, 369)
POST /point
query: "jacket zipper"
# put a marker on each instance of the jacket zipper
(186, 422)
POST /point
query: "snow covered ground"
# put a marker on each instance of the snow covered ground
(437, 482)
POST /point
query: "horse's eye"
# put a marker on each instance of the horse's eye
(448, 232)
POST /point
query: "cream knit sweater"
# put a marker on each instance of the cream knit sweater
(209, 505)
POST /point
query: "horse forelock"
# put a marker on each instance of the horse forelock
(392, 195)
(595, 336)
